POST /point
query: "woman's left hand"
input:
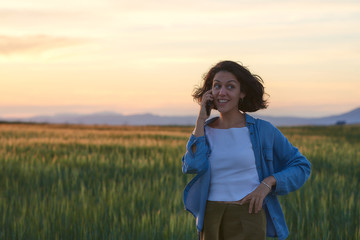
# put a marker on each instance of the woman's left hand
(256, 197)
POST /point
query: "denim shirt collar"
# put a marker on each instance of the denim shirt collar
(249, 120)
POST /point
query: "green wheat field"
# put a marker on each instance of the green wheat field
(107, 182)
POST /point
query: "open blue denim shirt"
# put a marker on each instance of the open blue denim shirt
(274, 155)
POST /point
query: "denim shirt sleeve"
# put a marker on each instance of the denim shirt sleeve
(292, 169)
(196, 162)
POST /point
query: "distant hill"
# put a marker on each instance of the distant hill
(352, 117)
(110, 118)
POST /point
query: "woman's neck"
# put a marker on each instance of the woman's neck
(230, 120)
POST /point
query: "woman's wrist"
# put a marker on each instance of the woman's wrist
(270, 181)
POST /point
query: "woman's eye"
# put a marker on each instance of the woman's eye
(217, 86)
(230, 87)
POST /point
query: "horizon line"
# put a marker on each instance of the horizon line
(28, 116)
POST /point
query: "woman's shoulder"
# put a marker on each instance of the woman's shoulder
(265, 124)
(266, 129)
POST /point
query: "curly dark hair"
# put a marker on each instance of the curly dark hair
(250, 84)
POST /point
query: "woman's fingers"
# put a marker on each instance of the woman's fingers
(256, 198)
(207, 97)
(251, 204)
(255, 204)
(258, 206)
(244, 200)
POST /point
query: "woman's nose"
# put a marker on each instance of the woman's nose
(222, 91)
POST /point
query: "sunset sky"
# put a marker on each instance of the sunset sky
(146, 56)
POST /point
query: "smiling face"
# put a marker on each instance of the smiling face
(226, 92)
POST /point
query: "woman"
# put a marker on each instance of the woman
(241, 163)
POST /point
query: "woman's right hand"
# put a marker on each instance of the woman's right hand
(205, 98)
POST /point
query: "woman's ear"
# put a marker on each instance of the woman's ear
(242, 94)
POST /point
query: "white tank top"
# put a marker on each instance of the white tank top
(233, 173)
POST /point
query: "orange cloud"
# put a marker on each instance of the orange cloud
(34, 44)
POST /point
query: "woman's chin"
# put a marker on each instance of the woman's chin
(226, 110)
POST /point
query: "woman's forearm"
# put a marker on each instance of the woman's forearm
(199, 128)
(198, 131)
